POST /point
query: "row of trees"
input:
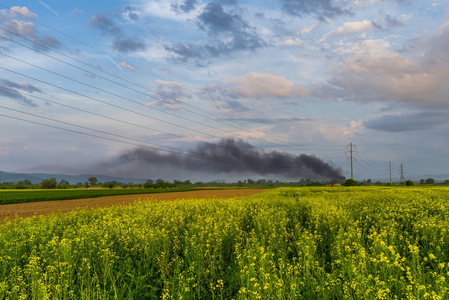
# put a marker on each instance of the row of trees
(51, 183)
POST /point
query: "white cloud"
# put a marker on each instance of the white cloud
(291, 42)
(350, 28)
(371, 70)
(263, 85)
(24, 11)
(124, 65)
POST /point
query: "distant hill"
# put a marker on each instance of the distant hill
(72, 179)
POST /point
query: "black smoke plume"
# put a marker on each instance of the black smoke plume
(234, 157)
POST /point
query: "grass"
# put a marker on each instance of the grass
(25, 196)
(310, 243)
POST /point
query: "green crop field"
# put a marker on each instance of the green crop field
(287, 243)
(24, 196)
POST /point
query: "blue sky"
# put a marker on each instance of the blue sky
(298, 76)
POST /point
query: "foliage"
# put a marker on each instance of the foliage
(409, 183)
(92, 180)
(109, 184)
(430, 181)
(350, 182)
(48, 183)
(309, 243)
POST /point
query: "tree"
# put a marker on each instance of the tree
(350, 182)
(109, 184)
(49, 183)
(20, 185)
(430, 181)
(409, 183)
(446, 181)
(422, 181)
(92, 180)
(64, 183)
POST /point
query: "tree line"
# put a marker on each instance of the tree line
(92, 182)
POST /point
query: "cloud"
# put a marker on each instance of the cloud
(47, 41)
(319, 8)
(266, 121)
(262, 85)
(408, 122)
(351, 28)
(185, 7)
(127, 45)
(105, 24)
(238, 94)
(19, 27)
(228, 32)
(23, 11)
(171, 93)
(124, 65)
(76, 11)
(132, 13)
(371, 70)
(14, 27)
(292, 42)
(12, 91)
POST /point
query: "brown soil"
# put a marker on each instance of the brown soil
(25, 210)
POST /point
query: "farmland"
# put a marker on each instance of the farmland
(25, 196)
(287, 243)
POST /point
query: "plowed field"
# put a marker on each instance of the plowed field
(25, 210)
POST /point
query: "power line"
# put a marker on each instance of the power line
(102, 90)
(142, 70)
(174, 150)
(107, 103)
(100, 115)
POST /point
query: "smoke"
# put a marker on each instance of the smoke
(231, 157)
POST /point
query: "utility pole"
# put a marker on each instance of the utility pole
(351, 157)
(391, 182)
(402, 180)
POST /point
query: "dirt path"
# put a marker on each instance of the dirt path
(25, 210)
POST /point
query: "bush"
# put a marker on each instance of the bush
(409, 183)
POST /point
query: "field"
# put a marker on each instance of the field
(287, 243)
(25, 196)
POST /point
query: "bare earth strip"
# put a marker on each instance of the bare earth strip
(25, 210)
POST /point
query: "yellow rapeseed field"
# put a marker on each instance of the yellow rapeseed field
(287, 243)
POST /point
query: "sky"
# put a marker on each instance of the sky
(85, 85)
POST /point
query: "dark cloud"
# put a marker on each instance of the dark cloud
(131, 13)
(185, 7)
(48, 41)
(127, 45)
(407, 122)
(228, 33)
(233, 157)
(171, 95)
(12, 90)
(319, 8)
(217, 94)
(105, 24)
(388, 21)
